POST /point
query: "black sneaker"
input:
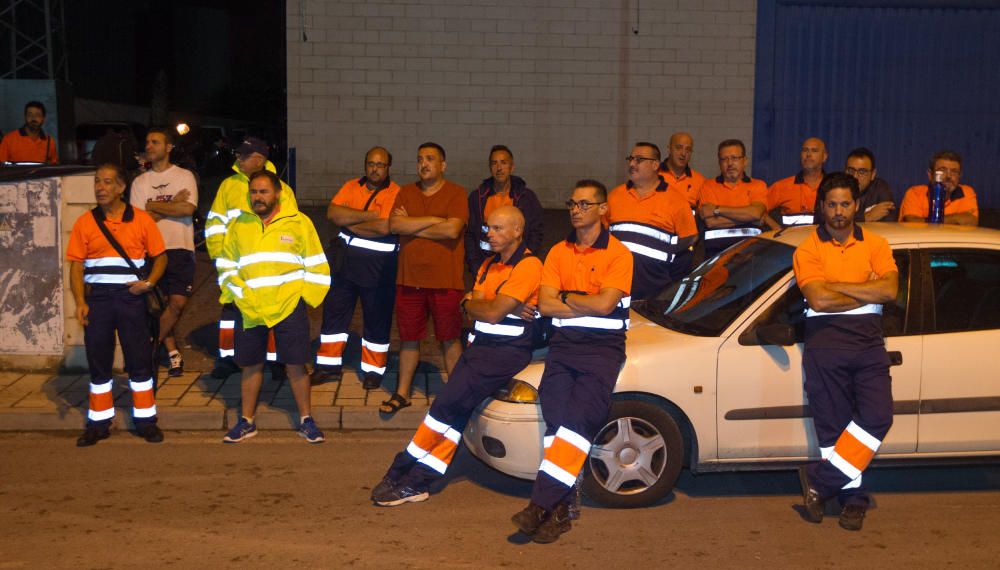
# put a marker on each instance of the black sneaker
(321, 374)
(852, 517)
(530, 519)
(811, 501)
(176, 365)
(224, 368)
(150, 432)
(383, 487)
(557, 524)
(401, 494)
(91, 435)
(371, 381)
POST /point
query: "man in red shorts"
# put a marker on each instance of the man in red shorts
(430, 216)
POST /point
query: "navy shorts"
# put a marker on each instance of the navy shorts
(291, 339)
(178, 279)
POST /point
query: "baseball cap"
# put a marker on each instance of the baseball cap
(251, 145)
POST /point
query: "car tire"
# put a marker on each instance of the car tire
(635, 458)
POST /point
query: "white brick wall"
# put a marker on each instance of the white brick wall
(565, 83)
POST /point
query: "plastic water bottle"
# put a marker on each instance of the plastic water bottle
(937, 199)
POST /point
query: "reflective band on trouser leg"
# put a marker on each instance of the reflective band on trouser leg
(564, 456)
(854, 451)
(434, 444)
(227, 342)
(272, 351)
(331, 349)
(825, 453)
(374, 356)
(102, 402)
(143, 403)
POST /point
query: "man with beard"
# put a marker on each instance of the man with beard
(845, 273)
(30, 143)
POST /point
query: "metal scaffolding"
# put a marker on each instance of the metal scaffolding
(36, 48)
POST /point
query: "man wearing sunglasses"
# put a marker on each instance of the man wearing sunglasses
(654, 224)
(586, 281)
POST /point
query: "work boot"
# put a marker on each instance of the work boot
(371, 381)
(224, 368)
(91, 435)
(811, 499)
(321, 374)
(852, 517)
(149, 432)
(383, 487)
(528, 520)
(554, 526)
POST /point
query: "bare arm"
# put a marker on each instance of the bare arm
(879, 290)
(825, 300)
(771, 224)
(159, 266)
(177, 207)
(76, 285)
(578, 304)
(446, 229)
(348, 217)
(406, 225)
(909, 218)
(682, 244)
(492, 311)
(378, 227)
(962, 219)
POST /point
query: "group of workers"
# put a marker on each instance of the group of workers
(405, 249)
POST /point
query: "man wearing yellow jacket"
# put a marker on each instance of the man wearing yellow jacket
(272, 265)
(230, 200)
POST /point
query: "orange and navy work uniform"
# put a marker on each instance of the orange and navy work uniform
(498, 352)
(366, 270)
(19, 146)
(688, 184)
(114, 309)
(916, 202)
(650, 228)
(585, 356)
(845, 362)
(744, 193)
(794, 200)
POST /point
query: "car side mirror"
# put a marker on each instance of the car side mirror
(776, 334)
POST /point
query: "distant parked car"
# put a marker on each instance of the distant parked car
(713, 376)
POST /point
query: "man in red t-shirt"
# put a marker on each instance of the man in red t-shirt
(429, 216)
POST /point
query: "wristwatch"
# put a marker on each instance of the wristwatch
(149, 285)
(562, 297)
(715, 212)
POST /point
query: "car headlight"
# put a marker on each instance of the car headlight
(517, 392)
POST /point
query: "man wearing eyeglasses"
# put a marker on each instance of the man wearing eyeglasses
(733, 204)
(366, 269)
(654, 224)
(586, 281)
(792, 201)
(960, 206)
(876, 202)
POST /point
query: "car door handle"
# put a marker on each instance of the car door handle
(895, 358)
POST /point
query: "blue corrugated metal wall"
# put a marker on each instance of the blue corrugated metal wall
(902, 78)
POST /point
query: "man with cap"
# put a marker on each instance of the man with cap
(231, 199)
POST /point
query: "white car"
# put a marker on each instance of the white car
(713, 375)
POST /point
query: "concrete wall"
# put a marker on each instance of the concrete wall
(569, 85)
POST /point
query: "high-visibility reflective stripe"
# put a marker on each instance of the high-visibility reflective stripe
(853, 484)
(625, 302)
(365, 367)
(98, 415)
(573, 438)
(144, 412)
(363, 243)
(329, 360)
(665, 237)
(547, 441)
(374, 347)
(869, 309)
(225, 263)
(275, 280)
(825, 452)
(797, 219)
(866, 439)
(472, 338)
(416, 451)
(141, 386)
(111, 262)
(226, 275)
(485, 246)
(215, 215)
(101, 403)
(434, 463)
(227, 352)
(107, 279)
(102, 388)
(272, 356)
(557, 473)
(270, 257)
(731, 233)
(436, 425)
(238, 291)
(647, 251)
(854, 450)
(211, 231)
(339, 337)
(234, 213)
(844, 466)
(590, 322)
(227, 324)
(318, 278)
(502, 330)
(312, 260)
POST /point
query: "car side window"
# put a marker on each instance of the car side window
(966, 290)
(790, 308)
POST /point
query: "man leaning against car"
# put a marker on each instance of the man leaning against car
(845, 273)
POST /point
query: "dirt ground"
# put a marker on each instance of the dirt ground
(276, 501)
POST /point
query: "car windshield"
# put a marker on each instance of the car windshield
(708, 300)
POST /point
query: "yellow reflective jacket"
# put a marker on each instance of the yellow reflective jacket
(265, 270)
(232, 198)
